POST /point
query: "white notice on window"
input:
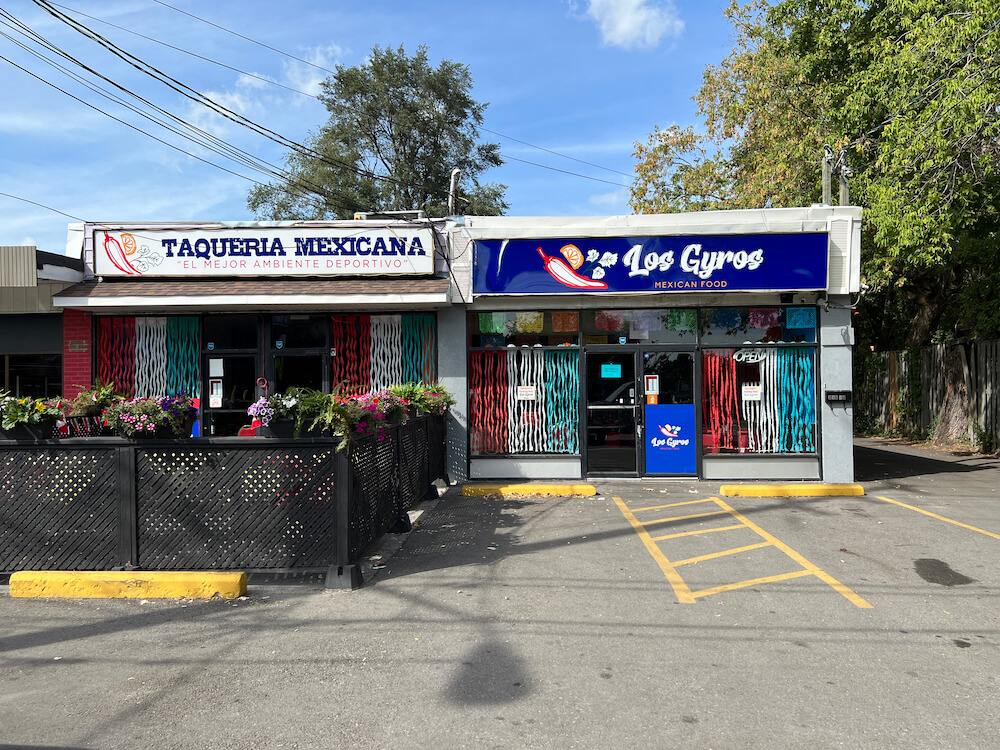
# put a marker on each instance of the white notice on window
(751, 392)
(526, 393)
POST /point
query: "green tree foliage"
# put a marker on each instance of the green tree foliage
(397, 128)
(909, 88)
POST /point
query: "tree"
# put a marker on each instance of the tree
(908, 90)
(397, 128)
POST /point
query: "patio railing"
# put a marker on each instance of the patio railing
(253, 504)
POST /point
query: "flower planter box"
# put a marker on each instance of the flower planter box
(43, 430)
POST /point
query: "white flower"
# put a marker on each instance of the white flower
(591, 255)
(609, 259)
(598, 273)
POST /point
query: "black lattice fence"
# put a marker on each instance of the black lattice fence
(226, 503)
(236, 507)
(58, 508)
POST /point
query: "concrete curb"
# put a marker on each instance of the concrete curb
(791, 490)
(514, 490)
(128, 584)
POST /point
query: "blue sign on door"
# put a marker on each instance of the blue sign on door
(671, 442)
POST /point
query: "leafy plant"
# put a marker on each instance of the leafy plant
(137, 416)
(91, 402)
(26, 410)
(145, 416)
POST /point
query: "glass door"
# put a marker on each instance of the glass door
(611, 411)
(669, 413)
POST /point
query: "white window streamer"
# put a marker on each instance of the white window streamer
(386, 351)
(525, 419)
(150, 357)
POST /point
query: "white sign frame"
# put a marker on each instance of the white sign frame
(264, 251)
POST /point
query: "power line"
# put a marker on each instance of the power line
(203, 138)
(313, 96)
(42, 205)
(252, 41)
(225, 112)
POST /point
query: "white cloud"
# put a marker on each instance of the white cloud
(307, 78)
(615, 201)
(635, 24)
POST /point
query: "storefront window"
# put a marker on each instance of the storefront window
(733, 326)
(299, 331)
(664, 326)
(231, 332)
(759, 400)
(34, 375)
(504, 329)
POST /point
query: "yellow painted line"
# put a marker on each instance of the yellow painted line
(671, 505)
(680, 588)
(684, 518)
(698, 531)
(159, 584)
(753, 582)
(506, 490)
(791, 490)
(828, 579)
(715, 555)
(940, 518)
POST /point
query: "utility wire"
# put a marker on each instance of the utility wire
(313, 96)
(252, 41)
(229, 114)
(203, 138)
(42, 205)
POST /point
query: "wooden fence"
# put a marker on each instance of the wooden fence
(944, 390)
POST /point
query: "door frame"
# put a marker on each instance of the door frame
(584, 422)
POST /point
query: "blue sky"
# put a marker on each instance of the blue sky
(582, 78)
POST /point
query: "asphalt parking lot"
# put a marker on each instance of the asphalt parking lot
(657, 613)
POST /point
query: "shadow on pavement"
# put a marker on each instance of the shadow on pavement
(873, 463)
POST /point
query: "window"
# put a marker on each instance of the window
(759, 400)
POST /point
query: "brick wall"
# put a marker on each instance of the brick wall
(77, 370)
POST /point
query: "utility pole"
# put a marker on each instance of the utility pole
(827, 165)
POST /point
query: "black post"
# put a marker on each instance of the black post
(344, 573)
(128, 544)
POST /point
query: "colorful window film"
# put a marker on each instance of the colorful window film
(149, 356)
(758, 400)
(370, 352)
(512, 329)
(733, 326)
(524, 401)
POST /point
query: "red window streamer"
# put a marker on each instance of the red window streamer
(488, 401)
(351, 365)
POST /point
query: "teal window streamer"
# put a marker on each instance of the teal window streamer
(562, 396)
(419, 341)
(183, 346)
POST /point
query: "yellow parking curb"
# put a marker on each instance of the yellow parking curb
(791, 490)
(510, 490)
(128, 584)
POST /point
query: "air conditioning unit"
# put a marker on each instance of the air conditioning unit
(389, 215)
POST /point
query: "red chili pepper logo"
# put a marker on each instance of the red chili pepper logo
(566, 276)
(117, 257)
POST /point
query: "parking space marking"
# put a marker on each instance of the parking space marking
(669, 567)
(940, 518)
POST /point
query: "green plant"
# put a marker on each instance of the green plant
(437, 399)
(26, 410)
(91, 402)
(137, 416)
(983, 439)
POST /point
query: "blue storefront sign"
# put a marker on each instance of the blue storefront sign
(612, 265)
(671, 445)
